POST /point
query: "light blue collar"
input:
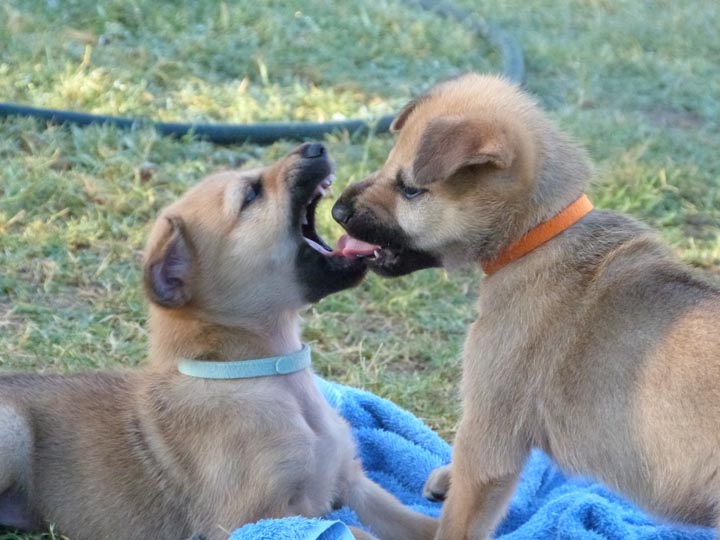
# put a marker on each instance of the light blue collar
(246, 369)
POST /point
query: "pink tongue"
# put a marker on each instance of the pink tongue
(352, 247)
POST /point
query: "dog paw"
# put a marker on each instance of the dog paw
(438, 484)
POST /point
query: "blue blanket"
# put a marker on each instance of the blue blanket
(399, 451)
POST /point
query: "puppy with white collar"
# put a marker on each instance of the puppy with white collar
(224, 424)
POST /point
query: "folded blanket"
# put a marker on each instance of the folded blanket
(399, 451)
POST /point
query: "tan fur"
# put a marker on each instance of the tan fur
(597, 347)
(153, 454)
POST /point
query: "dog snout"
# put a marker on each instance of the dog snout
(312, 150)
(341, 211)
(344, 207)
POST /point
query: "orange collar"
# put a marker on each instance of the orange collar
(541, 234)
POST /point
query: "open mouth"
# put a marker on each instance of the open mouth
(353, 248)
(348, 247)
(307, 216)
(387, 260)
(321, 269)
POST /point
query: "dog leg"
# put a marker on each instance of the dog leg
(438, 484)
(15, 445)
(384, 513)
(485, 472)
(472, 511)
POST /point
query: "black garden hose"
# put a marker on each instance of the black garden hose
(267, 133)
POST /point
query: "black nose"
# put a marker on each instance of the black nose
(312, 150)
(341, 212)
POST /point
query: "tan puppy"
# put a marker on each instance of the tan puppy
(596, 346)
(154, 454)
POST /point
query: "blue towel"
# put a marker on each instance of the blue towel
(399, 451)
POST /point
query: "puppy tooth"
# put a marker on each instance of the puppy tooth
(305, 220)
(376, 253)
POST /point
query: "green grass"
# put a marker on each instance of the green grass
(50, 535)
(636, 82)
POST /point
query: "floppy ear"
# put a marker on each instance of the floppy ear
(451, 143)
(399, 121)
(168, 267)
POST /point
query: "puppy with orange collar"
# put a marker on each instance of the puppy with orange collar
(591, 341)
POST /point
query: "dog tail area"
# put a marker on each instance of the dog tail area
(386, 515)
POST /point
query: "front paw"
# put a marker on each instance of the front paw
(438, 484)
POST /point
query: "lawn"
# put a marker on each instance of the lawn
(636, 82)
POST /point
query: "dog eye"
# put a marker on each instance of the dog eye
(410, 192)
(253, 192)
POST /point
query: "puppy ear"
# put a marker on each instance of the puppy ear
(399, 121)
(168, 266)
(451, 143)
